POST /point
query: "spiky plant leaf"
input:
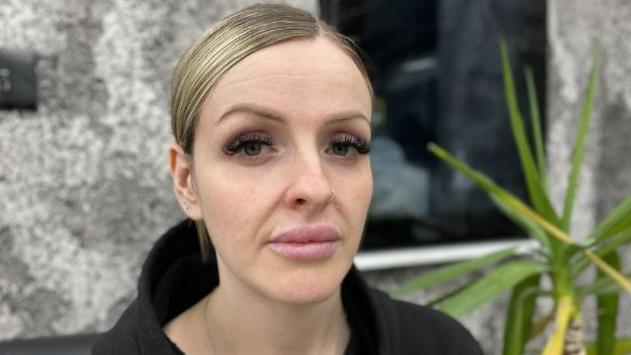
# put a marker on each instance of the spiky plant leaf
(579, 147)
(622, 347)
(486, 288)
(536, 128)
(609, 271)
(521, 309)
(599, 287)
(452, 272)
(532, 177)
(618, 219)
(510, 200)
(499, 193)
(613, 243)
(610, 244)
(607, 311)
(527, 224)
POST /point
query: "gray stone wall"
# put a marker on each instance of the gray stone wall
(84, 184)
(578, 29)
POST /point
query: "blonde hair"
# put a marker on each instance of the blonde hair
(221, 47)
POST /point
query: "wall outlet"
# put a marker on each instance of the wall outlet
(17, 80)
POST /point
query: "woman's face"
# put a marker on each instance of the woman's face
(282, 129)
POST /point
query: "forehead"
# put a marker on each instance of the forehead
(295, 75)
(294, 57)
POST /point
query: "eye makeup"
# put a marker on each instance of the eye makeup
(244, 142)
(252, 144)
(346, 140)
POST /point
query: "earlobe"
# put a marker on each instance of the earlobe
(181, 170)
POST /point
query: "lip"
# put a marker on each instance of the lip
(306, 243)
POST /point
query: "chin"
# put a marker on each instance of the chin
(308, 284)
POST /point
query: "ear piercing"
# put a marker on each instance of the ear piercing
(332, 197)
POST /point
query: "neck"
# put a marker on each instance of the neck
(246, 323)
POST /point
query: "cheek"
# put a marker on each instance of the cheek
(236, 211)
(230, 215)
(359, 192)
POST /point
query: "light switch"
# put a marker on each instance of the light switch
(17, 80)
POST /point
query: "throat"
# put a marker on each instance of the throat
(258, 326)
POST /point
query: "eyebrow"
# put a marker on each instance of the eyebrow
(268, 113)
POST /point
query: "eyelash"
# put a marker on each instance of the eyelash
(348, 140)
(237, 144)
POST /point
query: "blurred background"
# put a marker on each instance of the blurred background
(84, 127)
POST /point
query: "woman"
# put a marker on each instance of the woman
(271, 115)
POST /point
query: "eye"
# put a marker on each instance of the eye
(250, 144)
(339, 149)
(252, 148)
(343, 144)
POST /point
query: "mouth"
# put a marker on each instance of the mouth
(307, 243)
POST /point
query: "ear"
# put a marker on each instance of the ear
(181, 169)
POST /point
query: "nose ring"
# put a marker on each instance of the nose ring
(332, 197)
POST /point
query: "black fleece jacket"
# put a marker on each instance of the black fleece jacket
(174, 278)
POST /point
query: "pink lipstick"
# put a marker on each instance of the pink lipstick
(306, 243)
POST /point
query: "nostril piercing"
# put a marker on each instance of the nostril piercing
(332, 196)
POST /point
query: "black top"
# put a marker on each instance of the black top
(174, 278)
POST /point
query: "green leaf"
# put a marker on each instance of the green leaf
(451, 272)
(614, 243)
(536, 128)
(573, 249)
(610, 244)
(525, 223)
(533, 180)
(447, 295)
(615, 221)
(600, 287)
(521, 309)
(579, 147)
(521, 208)
(607, 311)
(611, 272)
(622, 347)
(497, 192)
(489, 286)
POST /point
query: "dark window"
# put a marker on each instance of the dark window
(436, 71)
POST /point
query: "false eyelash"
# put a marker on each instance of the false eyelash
(360, 144)
(235, 145)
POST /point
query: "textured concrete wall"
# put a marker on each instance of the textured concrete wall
(84, 184)
(577, 29)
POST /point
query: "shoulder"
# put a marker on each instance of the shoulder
(415, 329)
(121, 339)
(136, 332)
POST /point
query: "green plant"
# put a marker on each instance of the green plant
(559, 257)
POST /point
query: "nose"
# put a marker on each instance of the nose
(309, 186)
